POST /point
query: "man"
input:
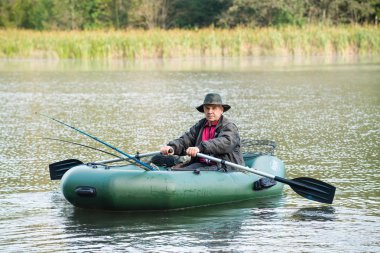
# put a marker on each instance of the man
(214, 135)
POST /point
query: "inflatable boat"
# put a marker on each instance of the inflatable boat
(129, 187)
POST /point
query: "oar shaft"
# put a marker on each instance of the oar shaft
(238, 166)
(126, 158)
(309, 188)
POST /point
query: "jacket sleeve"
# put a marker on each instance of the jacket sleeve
(226, 141)
(188, 139)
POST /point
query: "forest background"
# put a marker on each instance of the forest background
(154, 28)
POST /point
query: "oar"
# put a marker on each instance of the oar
(147, 166)
(58, 169)
(309, 188)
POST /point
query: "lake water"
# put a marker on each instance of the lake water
(324, 116)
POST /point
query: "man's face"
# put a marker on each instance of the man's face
(213, 112)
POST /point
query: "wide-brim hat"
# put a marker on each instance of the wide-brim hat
(213, 99)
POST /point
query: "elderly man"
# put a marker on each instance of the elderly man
(214, 135)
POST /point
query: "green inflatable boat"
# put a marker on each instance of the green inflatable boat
(130, 187)
(151, 187)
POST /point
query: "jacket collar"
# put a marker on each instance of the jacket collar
(222, 120)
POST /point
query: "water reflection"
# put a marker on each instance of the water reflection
(323, 213)
(183, 217)
(213, 226)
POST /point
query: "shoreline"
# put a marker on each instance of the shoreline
(249, 63)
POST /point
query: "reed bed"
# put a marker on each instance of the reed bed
(140, 44)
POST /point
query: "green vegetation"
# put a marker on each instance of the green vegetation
(134, 29)
(158, 43)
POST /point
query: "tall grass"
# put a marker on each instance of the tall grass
(139, 44)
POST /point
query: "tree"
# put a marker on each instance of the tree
(196, 13)
(149, 14)
(5, 13)
(355, 12)
(119, 10)
(263, 13)
(342, 11)
(166, 14)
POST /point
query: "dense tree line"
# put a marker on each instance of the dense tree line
(166, 14)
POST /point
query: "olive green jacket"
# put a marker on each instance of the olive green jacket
(225, 145)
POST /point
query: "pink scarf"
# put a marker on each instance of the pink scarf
(207, 134)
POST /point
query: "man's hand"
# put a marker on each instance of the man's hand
(167, 150)
(192, 151)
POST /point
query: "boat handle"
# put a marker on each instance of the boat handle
(85, 191)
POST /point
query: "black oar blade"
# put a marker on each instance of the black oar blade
(311, 188)
(58, 169)
(314, 189)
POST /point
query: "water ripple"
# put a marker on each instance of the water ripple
(325, 120)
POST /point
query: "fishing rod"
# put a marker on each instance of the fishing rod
(147, 166)
(58, 169)
(119, 158)
(85, 146)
